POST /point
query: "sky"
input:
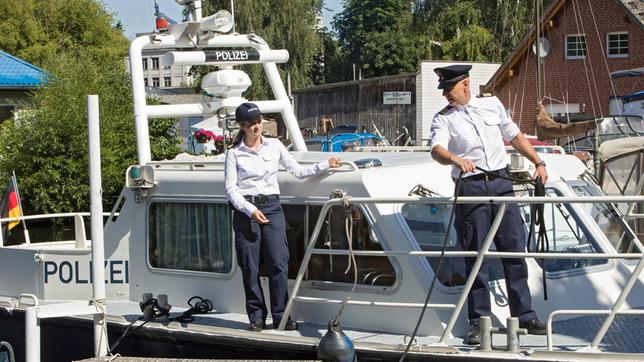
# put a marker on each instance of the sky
(137, 16)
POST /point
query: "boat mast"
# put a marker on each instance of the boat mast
(537, 23)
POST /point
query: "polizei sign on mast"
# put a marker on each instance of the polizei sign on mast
(232, 55)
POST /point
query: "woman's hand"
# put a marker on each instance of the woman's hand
(259, 217)
(334, 162)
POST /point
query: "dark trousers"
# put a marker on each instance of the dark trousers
(268, 242)
(473, 222)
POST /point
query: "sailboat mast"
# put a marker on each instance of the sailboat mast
(537, 23)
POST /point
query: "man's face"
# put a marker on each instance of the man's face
(459, 94)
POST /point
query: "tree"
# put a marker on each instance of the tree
(38, 31)
(474, 30)
(47, 143)
(374, 34)
(335, 66)
(283, 24)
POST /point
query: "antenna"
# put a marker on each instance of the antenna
(232, 12)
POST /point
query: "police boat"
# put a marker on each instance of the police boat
(160, 279)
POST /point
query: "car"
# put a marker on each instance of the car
(342, 139)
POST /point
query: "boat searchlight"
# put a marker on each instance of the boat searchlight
(220, 22)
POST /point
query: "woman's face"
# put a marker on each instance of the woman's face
(252, 127)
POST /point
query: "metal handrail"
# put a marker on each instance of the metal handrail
(45, 216)
(484, 252)
(48, 216)
(559, 312)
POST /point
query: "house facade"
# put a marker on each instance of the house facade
(17, 79)
(159, 75)
(585, 42)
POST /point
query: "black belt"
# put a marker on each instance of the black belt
(261, 199)
(486, 176)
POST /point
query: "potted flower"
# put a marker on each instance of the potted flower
(203, 136)
(219, 143)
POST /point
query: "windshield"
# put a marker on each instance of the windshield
(314, 146)
(566, 234)
(607, 218)
(428, 224)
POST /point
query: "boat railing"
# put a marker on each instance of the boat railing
(483, 253)
(79, 225)
(391, 149)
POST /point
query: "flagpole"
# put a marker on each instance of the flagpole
(24, 224)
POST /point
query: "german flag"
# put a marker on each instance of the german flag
(10, 207)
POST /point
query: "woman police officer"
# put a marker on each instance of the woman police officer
(258, 220)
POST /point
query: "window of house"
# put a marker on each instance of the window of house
(6, 111)
(166, 81)
(190, 236)
(155, 63)
(155, 82)
(576, 46)
(145, 63)
(617, 45)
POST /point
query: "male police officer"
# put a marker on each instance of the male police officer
(468, 134)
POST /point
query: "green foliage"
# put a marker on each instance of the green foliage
(334, 65)
(283, 24)
(38, 31)
(471, 30)
(374, 34)
(47, 144)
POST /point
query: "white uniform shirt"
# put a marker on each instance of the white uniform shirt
(250, 172)
(475, 132)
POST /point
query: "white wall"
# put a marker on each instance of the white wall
(429, 99)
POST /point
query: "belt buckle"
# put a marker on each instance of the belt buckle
(259, 199)
(487, 177)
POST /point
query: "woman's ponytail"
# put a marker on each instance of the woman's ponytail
(239, 137)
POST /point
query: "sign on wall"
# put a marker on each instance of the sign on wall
(396, 97)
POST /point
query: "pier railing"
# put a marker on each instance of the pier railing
(483, 253)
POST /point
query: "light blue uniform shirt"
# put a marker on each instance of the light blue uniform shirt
(250, 172)
(475, 132)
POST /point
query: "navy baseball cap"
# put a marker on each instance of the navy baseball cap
(247, 112)
(450, 75)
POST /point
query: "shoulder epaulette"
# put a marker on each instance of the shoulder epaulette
(484, 95)
(444, 110)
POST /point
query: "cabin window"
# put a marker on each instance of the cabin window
(576, 46)
(372, 270)
(190, 236)
(296, 235)
(566, 234)
(617, 45)
(428, 224)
